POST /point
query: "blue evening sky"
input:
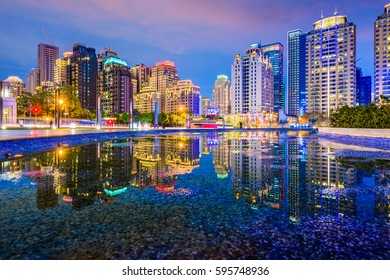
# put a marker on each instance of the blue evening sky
(200, 36)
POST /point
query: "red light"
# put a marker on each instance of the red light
(36, 109)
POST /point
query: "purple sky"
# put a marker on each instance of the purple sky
(200, 36)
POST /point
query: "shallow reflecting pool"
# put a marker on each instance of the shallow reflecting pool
(237, 195)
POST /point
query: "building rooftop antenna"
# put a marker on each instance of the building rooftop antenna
(335, 11)
(45, 35)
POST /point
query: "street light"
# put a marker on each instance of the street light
(59, 112)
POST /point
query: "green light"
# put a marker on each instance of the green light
(222, 77)
(115, 192)
(115, 60)
(222, 176)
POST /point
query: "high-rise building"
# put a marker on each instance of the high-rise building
(61, 70)
(142, 75)
(47, 55)
(17, 87)
(221, 95)
(32, 80)
(205, 105)
(83, 75)
(275, 54)
(144, 102)
(252, 82)
(382, 54)
(163, 76)
(185, 95)
(296, 76)
(114, 84)
(331, 65)
(363, 88)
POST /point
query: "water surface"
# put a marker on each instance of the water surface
(236, 195)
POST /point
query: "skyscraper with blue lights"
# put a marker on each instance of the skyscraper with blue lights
(275, 54)
(83, 75)
(382, 54)
(296, 73)
(363, 88)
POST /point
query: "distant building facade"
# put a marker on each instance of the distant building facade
(363, 88)
(47, 56)
(163, 76)
(252, 82)
(205, 105)
(114, 84)
(221, 94)
(296, 73)
(32, 80)
(83, 75)
(17, 86)
(382, 54)
(8, 107)
(185, 95)
(145, 101)
(275, 54)
(61, 70)
(141, 74)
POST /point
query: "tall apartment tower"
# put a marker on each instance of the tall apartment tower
(296, 73)
(331, 65)
(163, 76)
(275, 54)
(47, 56)
(382, 54)
(205, 104)
(83, 75)
(61, 70)
(114, 84)
(142, 74)
(221, 95)
(252, 82)
(32, 80)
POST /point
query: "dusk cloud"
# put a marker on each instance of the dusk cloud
(157, 30)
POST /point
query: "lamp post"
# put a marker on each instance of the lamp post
(60, 101)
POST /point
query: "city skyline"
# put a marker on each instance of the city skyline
(149, 32)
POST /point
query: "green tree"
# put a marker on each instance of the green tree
(147, 118)
(163, 119)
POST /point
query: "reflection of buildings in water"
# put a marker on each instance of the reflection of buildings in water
(326, 177)
(252, 161)
(221, 158)
(295, 175)
(204, 146)
(115, 159)
(42, 171)
(147, 160)
(76, 174)
(46, 195)
(158, 164)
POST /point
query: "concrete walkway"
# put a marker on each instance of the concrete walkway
(357, 132)
(17, 134)
(41, 133)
